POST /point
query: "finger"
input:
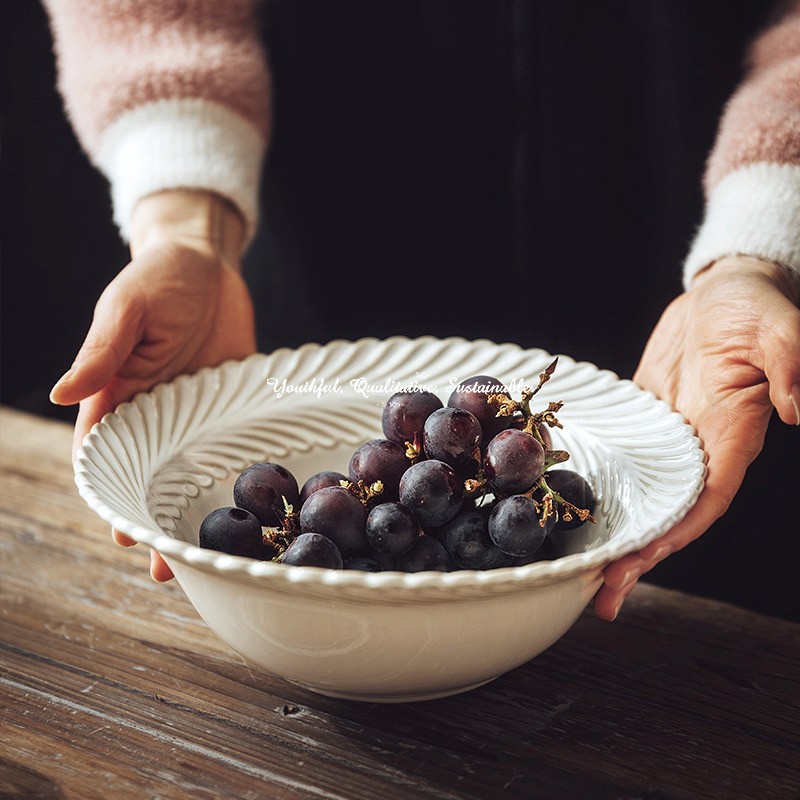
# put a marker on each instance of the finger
(122, 539)
(620, 573)
(91, 410)
(115, 331)
(779, 343)
(159, 571)
(728, 459)
(608, 602)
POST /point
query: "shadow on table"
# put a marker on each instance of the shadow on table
(18, 782)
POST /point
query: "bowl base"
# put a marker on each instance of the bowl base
(411, 697)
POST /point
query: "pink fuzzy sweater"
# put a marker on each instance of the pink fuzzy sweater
(175, 93)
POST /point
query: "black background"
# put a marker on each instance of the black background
(521, 171)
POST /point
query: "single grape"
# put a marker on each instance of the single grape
(466, 540)
(363, 564)
(388, 563)
(427, 554)
(473, 395)
(232, 530)
(405, 413)
(575, 489)
(513, 462)
(544, 553)
(320, 480)
(433, 492)
(496, 559)
(380, 460)
(514, 526)
(261, 488)
(392, 528)
(452, 435)
(312, 550)
(338, 514)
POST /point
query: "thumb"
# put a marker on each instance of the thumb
(115, 331)
(91, 410)
(779, 344)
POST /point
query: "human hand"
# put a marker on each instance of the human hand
(179, 305)
(725, 354)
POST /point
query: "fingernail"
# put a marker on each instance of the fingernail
(794, 397)
(64, 379)
(617, 607)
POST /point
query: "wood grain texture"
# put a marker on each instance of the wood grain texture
(114, 688)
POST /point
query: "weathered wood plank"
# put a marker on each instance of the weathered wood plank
(113, 687)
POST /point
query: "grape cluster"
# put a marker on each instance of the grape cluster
(470, 485)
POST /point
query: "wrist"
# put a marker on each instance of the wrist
(195, 218)
(785, 278)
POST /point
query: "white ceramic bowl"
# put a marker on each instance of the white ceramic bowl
(157, 465)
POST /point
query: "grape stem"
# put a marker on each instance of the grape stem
(549, 496)
(506, 407)
(280, 537)
(553, 457)
(289, 518)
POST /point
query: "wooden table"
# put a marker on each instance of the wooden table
(113, 688)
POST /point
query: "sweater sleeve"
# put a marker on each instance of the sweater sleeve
(166, 95)
(752, 180)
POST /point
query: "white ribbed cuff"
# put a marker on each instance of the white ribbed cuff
(754, 211)
(186, 144)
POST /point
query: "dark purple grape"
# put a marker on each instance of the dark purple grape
(405, 413)
(388, 562)
(452, 435)
(513, 462)
(466, 540)
(497, 559)
(312, 550)
(320, 480)
(392, 528)
(427, 554)
(338, 514)
(433, 492)
(380, 460)
(363, 564)
(544, 553)
(261, 488)
(473, 394)
(514, 526)
(234, 531)
(575, 489)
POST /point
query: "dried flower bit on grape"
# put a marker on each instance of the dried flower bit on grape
(545, 509)
(506, 407)
(581, 513)
(476, 486)
(365, 493)
(546, 417)
(414, 449)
